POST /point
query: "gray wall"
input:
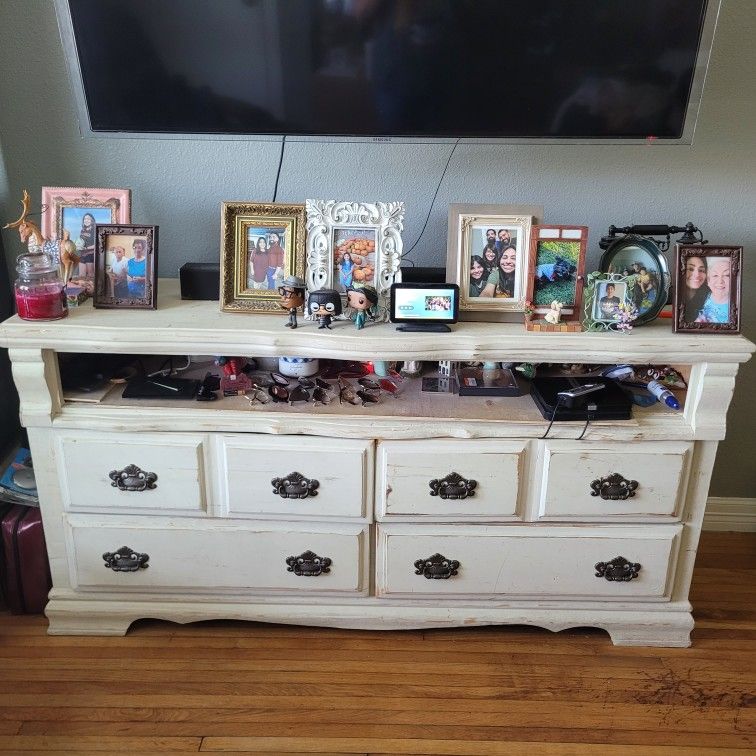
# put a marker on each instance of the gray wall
(178, 184)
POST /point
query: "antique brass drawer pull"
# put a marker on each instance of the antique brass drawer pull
(125, 560)
(619, 569)
(453, 486)
(436, 567)
(614, 487)
(295, 486)
(308, 564)
(133, 478)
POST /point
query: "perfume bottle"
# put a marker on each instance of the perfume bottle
(39, 289)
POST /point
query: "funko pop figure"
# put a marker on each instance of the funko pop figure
(292, 293)
(363, 300)
(324, 305)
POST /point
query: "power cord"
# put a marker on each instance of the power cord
(560, 401)
(433, 202)
(590, 414)
(280, 163)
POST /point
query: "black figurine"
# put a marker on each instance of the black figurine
(292, 293)
(324, 304)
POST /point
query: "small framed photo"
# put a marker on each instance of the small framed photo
(708, 288)
(261, 244)
(75, 211)
(350, 244)
(607, 303)
(557, 265)
(487, 257)
(126, 267)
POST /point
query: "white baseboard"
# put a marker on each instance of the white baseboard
(724, 513)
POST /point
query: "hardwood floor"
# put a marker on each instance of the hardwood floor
(232, 687)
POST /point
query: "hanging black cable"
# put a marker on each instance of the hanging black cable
(433, 202)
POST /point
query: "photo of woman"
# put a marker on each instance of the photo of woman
(137, 270)
(353, 257)
(695, 290)
(346, 270)
(259, 262)
(501, 281)
(478, 275)
(716, 308)
(80, 224)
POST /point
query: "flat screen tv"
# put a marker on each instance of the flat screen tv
(484, 70)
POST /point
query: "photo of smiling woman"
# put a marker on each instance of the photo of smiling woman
(716, 308)
(695, 290)
(478, 275)
(501, 281)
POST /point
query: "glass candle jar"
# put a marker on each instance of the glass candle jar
(40, 291)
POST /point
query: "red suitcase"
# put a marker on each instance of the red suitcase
(24, 570)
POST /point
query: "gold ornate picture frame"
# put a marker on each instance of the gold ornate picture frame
(261, 244)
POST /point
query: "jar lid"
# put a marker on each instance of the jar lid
(35, 264)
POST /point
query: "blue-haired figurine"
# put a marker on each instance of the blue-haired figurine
(363, 300)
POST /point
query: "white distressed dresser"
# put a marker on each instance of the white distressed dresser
(380, 541)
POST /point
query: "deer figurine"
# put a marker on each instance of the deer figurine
(62, 251)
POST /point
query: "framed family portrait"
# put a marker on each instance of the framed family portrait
(73, 213)
(557, 265)
(126, 267)
(261, 244)
(643, 264)
(350, 244)
(707, 288)
(487, 257)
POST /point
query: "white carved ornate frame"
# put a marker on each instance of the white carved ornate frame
(326, 216)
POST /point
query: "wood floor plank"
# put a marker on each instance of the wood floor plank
(445, 747)
(78, 743)
(236, 687)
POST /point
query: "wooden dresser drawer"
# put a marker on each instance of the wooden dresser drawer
(533, 562)
(594, 481)
(413, 479)
(296, 476)
(132, 472)
(217, 556)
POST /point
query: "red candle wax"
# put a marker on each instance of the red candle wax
(47, 303)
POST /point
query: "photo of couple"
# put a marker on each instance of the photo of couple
(493, 263)
(126, 266)
(706, 289)
(266, 250)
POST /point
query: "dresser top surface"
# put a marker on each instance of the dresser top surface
(199, 327)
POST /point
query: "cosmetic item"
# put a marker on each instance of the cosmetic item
(39, 289)
(663, 394)
(296, 367)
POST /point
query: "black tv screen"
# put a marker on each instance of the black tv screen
(574, 69)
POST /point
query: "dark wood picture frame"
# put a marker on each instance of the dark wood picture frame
(686, 315)
(543, 234)
(106, 296)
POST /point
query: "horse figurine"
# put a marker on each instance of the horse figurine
(61, 251)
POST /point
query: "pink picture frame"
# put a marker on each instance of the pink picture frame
(57, 199)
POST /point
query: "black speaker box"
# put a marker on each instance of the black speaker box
(200, 281)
